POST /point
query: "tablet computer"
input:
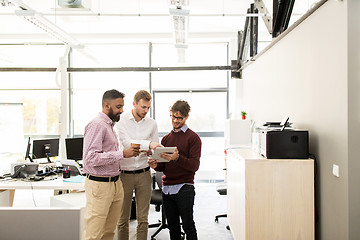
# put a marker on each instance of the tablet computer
(159, 150)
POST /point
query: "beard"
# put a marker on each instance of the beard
(177, 126)
(114, 117)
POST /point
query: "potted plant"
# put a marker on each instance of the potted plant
(243, 115)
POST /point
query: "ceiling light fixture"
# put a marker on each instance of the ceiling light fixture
(70, 3)
(180, 19)
(44, 24)
(5, 3)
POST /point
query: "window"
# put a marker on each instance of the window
(40, 95)
(29, 80)
(112, 55)
(41, 109)
(31, 55)
(207, 110)
(88, 89)
(189, 80)
(205, 91)
(201, 54)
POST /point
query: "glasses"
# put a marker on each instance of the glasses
(177, 118)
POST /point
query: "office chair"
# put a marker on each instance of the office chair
(222, 190)
(156, 199)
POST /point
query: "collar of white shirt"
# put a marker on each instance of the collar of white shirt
(131, 117)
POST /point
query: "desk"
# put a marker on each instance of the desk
(41, 223)
(8, 187)
(269, 198)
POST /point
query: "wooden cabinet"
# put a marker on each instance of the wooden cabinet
(270, 198)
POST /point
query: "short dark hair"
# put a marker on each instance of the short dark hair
(181, 106)
(111, 95)
(142, 94)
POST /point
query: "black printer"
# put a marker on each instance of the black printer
(284, 144)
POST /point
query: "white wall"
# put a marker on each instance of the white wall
(306, 76)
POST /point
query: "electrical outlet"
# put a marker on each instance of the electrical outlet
(335, 170)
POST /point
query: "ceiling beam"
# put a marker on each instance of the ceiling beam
(121, 69)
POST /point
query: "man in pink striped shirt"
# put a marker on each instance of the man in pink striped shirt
(101, 159)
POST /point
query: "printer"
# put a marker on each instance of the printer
(284, 144)
(280, 141)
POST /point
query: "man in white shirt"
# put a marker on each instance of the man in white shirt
(135, 127)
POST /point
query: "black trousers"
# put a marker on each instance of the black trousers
(181, 205)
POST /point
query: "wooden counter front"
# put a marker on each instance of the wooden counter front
(270, 198)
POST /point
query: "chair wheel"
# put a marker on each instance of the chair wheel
(228, 227)
(216, 219)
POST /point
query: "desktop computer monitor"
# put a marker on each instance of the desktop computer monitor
(74, 148)
(45, 148)
(27, 155)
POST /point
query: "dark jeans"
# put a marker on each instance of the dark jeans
(181, 205)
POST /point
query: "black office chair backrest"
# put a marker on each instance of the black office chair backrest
(158, 179)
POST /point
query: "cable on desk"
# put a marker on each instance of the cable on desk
(32, 191)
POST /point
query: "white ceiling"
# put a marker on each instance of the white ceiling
(104, 21)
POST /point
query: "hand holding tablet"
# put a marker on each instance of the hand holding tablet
(159, 150)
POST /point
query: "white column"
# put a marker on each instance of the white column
(64, 108)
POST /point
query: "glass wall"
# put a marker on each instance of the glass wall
(41, 109)
(207, 110)
(201, 54)
(111, 55)
(88, 89)
(189, 80)
(40, 96)
(205, 91)
(40, 56)
(37, 92)
(40, 91)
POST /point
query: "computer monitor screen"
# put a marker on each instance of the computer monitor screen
(27, 155)
(46, 148)
(74, 148)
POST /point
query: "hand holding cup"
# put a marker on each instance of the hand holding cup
(133, 151)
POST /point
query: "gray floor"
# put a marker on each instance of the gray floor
(208, 204)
